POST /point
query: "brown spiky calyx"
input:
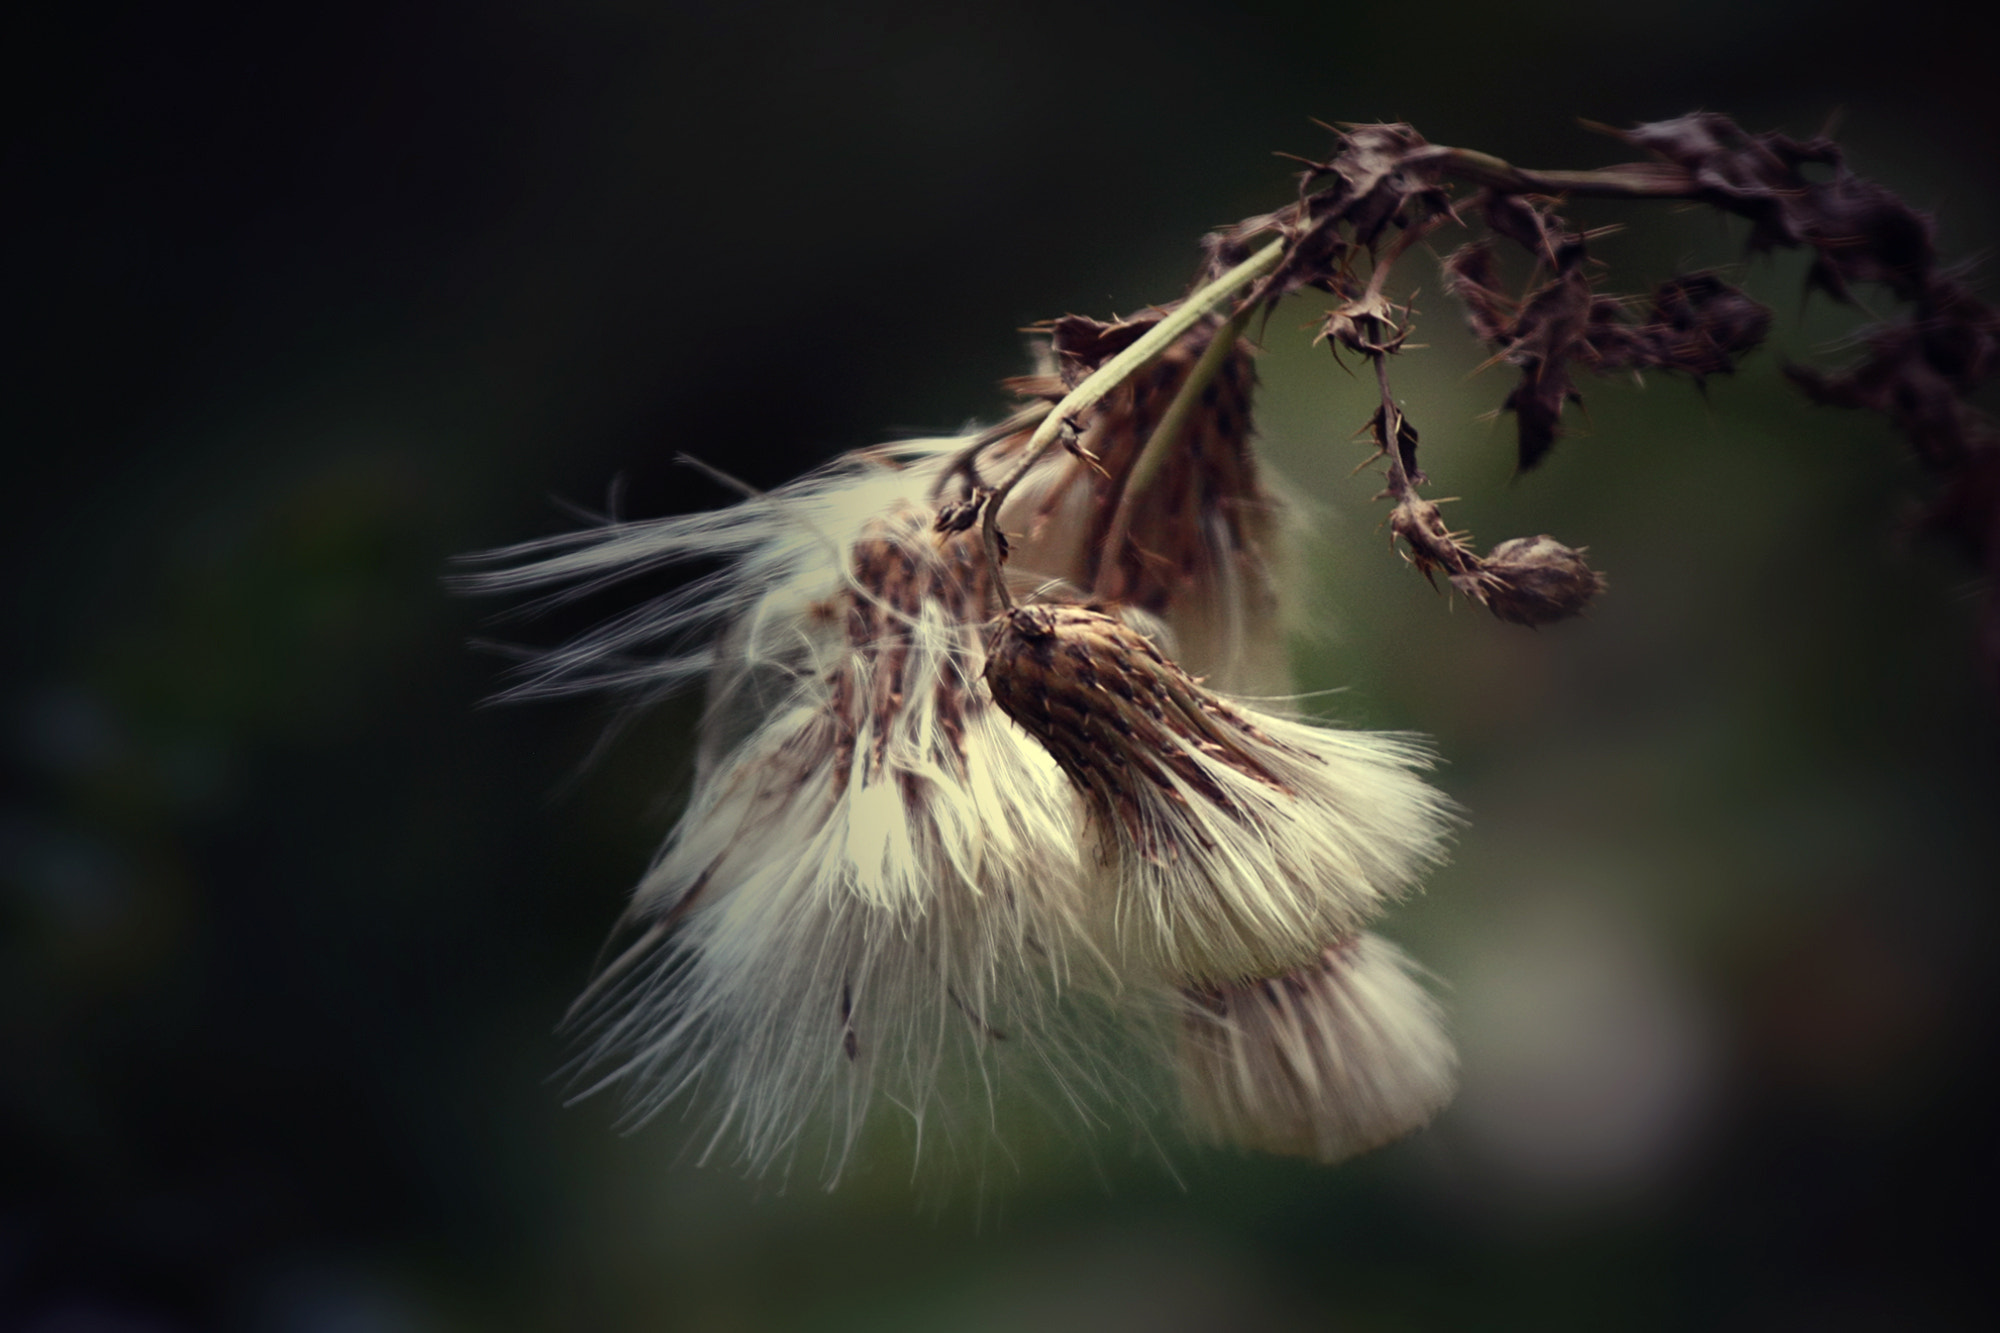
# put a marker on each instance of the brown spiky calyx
(1537, 581)
(1115, 712)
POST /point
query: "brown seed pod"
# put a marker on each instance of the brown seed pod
(1537, 581)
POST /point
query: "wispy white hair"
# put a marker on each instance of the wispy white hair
(1336, 1058)
(776, 555)
(1236, 843)
(876, 882)
(822, 934)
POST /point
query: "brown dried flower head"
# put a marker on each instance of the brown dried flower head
(1235, 844)
(1532, 581)
(1537, 581)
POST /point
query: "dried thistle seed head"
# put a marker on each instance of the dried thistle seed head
(1537, 581)
(1336, 1058)
(1232, 844)
(872, 897)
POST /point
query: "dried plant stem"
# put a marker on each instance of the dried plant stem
(1638, 180)
(1400, 484)
(1109, 376)
(964, 467)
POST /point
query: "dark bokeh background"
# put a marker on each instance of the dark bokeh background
(304, 300)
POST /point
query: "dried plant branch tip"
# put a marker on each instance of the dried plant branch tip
(977, 783)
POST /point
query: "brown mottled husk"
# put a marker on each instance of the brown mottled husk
(1111, 710)
(1231, 845)
(1537, 581)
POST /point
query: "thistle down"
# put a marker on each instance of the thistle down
(962, 774)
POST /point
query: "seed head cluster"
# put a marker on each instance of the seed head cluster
(981, 804)
(961, 827)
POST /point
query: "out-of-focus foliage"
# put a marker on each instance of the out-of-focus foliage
(311, 301)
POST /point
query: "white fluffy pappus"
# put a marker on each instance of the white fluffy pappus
(1331, 1060)
(776, 555)
(819, 937)
(1238, 844)
(875, 885)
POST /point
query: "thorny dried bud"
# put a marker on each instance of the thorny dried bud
(1238, 845)
(1553, 322)
(1472, 274)
(1699, 325)
(1922, 368)
(1368, 325)
(1373, 181)
(1343, 1055)
(1919, 371)
(1537, 581)
(1696, 325)
(1860, 231)
(1534, 226)
(1369, 184)
(1532, 581)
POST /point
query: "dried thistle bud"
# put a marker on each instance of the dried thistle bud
(1537, 581)
(1336, 1058)
(1236, 845)
(1531, 581)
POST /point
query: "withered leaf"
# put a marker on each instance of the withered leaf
(1082, 344)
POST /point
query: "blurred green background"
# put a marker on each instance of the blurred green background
(305, 300)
